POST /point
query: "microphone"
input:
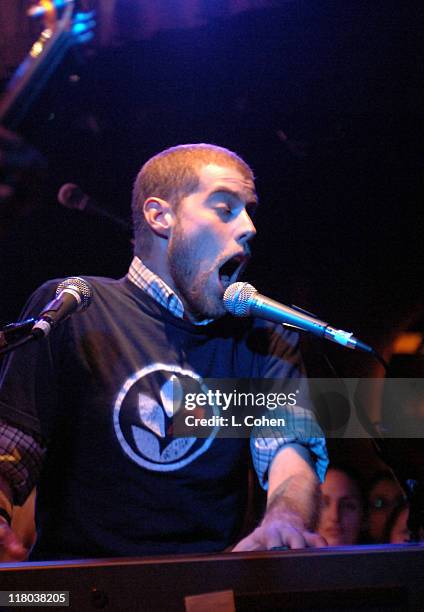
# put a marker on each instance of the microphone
(243, 300)
(74, 294)
(72, 196)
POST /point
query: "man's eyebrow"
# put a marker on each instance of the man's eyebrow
(251, 201)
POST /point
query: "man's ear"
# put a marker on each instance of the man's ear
(159, 214)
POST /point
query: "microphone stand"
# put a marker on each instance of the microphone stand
(14, 335)
(11, 347)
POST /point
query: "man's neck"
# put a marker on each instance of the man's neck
(160, 268)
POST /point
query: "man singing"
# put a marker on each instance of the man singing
(87, 411)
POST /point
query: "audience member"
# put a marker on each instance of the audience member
(384, 495)
(342, 507)
(397, 530)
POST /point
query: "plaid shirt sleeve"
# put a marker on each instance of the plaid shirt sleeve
(301, 428)
(20, 461)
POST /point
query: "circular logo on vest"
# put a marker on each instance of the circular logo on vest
(143, 418)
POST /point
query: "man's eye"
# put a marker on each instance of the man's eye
(224, 210)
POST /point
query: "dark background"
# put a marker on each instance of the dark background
(340, 222)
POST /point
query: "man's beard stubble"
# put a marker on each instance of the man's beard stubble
(184, 261)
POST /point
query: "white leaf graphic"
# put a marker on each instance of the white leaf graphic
(177, 448)
(171, 394)
(151, 414)
(147, 443)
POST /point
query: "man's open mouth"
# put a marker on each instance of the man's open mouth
(231, 269)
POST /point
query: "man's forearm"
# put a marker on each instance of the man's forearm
(293, 502)
(293, 486)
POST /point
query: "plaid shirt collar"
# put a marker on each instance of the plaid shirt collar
(157, 289)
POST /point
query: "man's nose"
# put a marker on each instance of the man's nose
(246, 230)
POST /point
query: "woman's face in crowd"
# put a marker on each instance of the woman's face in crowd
(341, 509)
(382, 500)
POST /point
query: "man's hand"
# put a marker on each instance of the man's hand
(11, 548)
(293, 503)
(280, 528)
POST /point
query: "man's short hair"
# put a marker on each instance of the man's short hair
(172, 175)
